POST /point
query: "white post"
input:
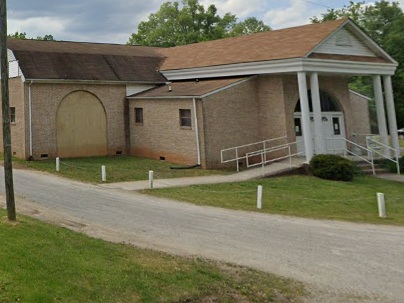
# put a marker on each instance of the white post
(259, 197)
(391, 114)
(381, 114)
(304, 104)
(57, 164)
(318, 121)
(151, 179)
(103, 174)
(382, 206)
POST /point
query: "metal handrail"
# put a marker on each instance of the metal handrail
(264, 152)
(236, 150)
(345, 150)
(396, 152)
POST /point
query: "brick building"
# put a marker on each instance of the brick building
(186, 104)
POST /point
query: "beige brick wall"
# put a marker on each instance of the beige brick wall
(161, 134)
(361, 118)
(18, 129)
(45, 102)
(231, 118)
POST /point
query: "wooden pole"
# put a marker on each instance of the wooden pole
(8, 167)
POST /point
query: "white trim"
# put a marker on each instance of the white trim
(326, 38)
(198, 97)
(31, 146)
(284, 66)
(368, 41)
(360, 95)
(196, 132)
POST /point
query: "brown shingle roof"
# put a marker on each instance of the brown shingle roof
(288, 43)
(86, 61)
(188, 88)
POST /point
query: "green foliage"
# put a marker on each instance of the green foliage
(300, 196)
(392, 167)
(18, 35)
(384, 22)
(189, 23)
(249, 26)
(23, 35)
(332, 167)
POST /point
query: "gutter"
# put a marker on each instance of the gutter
(197, 132)
(70, 81)
(30, 122)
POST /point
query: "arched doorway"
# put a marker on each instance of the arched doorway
(333, 124)
(81, 125)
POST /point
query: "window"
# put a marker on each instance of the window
(336, 126)
(12, 115)
(138, 115)
(185, 118)
(298, 127)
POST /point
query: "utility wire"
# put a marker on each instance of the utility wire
(314, 3)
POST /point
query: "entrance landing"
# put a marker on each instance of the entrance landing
(253, 173)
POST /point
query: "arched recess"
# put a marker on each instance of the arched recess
(81, 126)
(328, 103)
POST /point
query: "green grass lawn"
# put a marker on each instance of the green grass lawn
(301, 196)
(118, 168)
(45, 263)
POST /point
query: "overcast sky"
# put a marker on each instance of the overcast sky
(113, 21)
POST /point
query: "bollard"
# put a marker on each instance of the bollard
(382, 206)
(103, 174)
(57, 164)
(259, 197)
(150, 179)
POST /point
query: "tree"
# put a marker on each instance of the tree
(5, 94)
(384, 22)
(249, 26)
(174, 25)
(23, 35)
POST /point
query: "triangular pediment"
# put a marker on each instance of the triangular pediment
(350, 40)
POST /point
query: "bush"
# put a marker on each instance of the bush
(332, 167)
(391, 166)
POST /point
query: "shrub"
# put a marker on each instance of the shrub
(332, 167)
(391, 166)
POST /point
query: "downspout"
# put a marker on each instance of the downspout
(30, 122)
(197, 132)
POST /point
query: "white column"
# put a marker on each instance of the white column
(304, 105)
(381, 115)
(391, 113)
(318, 121)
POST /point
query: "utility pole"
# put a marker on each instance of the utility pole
(8, 166)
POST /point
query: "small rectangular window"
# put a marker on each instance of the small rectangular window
(298, 127)
(12, 114)
(185, 117)
(138, 115)
(336, 126)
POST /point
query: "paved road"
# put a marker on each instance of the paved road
(341, 262)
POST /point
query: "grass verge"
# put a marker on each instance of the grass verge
(45, 263)
(118, 168)
(301, 196)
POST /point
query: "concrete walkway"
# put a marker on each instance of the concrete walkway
(249, 174)
(392, 177)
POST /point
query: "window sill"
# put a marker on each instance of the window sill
(186, 127)
(139, 124)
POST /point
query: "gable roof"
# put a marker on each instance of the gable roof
(86, 61)
(189, 89)
(295, 42)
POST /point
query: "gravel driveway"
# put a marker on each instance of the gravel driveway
(340, 262)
